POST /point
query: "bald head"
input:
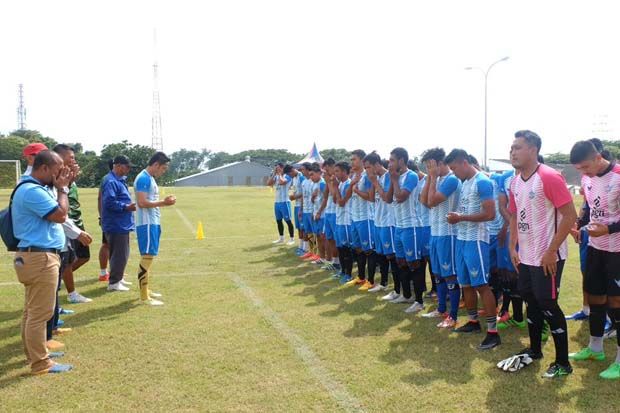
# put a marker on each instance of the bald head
(46, 158)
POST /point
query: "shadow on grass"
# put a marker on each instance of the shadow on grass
(15, 349)
(10, 315)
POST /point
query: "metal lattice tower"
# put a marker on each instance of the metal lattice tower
(156, 137)
(21, 109)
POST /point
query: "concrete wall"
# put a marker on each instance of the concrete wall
(241, 174)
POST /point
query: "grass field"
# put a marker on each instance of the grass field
(247, 327)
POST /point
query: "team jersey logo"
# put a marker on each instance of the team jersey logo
(523, 226)
(597, 211)
(446, 266)
(474, 273)
(532, 194)
(386, 245)
(409, 253)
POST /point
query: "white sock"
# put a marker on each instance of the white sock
(586, 310)
(103, 271)
(336, 260)
(596, 344)
(305, 246)
(301, 243)
(281, 237)
(618, 355)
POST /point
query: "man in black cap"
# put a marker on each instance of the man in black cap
(117, 219)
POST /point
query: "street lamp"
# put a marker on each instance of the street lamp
(486, 77)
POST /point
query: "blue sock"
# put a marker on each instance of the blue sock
(455, 297)
(442, 292)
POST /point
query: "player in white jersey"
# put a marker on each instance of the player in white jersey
(306, 214)
(297, 179)
(282, 206)
(338, 189)
(441, 193)
(422, 225)
(476, 208)
(318, 216)
(601, 187)
(148, 222)
(542, 216)
(384, 220)
(328, 207)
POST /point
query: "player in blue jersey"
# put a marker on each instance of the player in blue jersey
(318, 215)
(441, 193)
(496, 229)
(339, 188)
(328, 207)
(422, 226)
(307, 216)
(148, 221)
(476, 208)
(361, 195)
(297, 179)
(282, 206)
(383, 218)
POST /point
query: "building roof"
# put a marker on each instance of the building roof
(219, 168)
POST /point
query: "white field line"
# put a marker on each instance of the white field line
(184, 219)
(335, 389)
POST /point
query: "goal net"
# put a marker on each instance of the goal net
(10, 171)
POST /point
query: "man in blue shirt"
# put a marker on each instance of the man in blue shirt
(117, 219)
(282, 206)
(37, 217)
(476, 209)
(148, 221)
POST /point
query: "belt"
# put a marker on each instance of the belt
(37, 249)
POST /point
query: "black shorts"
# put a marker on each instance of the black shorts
(602, 276)
(81, 250)
(533, 280)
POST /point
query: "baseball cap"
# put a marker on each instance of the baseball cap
(33, 149)
(122, 160)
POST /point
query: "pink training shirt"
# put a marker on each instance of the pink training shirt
(535, 203)
(603, 196)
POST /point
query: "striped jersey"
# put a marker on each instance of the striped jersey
(306, 191)
(296, 185)
(602, 192)
(450, 187)
(146, 183)
(404, 212)
(343, 214)
(496, 225)
(422, 212)
(330, 207)
(360, 208)
(282, 189)
(384, 214)
(474, 192)
(318, 188)
(535, 203)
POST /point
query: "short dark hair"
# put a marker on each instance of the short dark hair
(457, 155)
(598, 144)
(472, 160)
(329, 162)
(413, 165)
(315, 167)
(359, 153)
(110, 164)
(531, 138)
(47, 158)
(372, 158)
(385, 163)
(287, 169)
(582, 151)
(400, 153)
(160, 158)
(434, 154)
(307, 165)
(344, 166)
(61, 149)
(541, 159)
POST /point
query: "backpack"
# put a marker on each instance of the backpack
(6, 222)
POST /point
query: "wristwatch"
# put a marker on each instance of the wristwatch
(64, 190)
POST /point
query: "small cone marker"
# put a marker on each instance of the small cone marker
(200, 232)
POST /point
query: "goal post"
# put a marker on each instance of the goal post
(10, 172)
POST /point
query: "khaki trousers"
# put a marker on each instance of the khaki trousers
(38, 271)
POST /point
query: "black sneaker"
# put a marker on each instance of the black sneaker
(528, 351)
(556, 370)
(470, 327)
(490, 341)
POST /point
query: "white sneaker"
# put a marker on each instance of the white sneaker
(291, 242)
(433, 314)
(402, 300)
(377, 288)
(156, 295)
(278, 241)
(152, 301)
(392, 295)
(414, 308)
(117, 287)
(125, 282)
(77, 298)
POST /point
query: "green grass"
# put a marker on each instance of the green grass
(211, 348)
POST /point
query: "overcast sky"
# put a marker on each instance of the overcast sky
(237, 75)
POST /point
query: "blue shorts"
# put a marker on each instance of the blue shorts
(583, 249)
(504, 261)
(330, 226)
(494, 253)
(423, 239)
(442, 255)
(384, 240)
(307, 222)
(407, 245)
(282, 211)
(148, 239)
(363, 234)
(472, 263)
(298, 222)
(318, 226)
(343, 236)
